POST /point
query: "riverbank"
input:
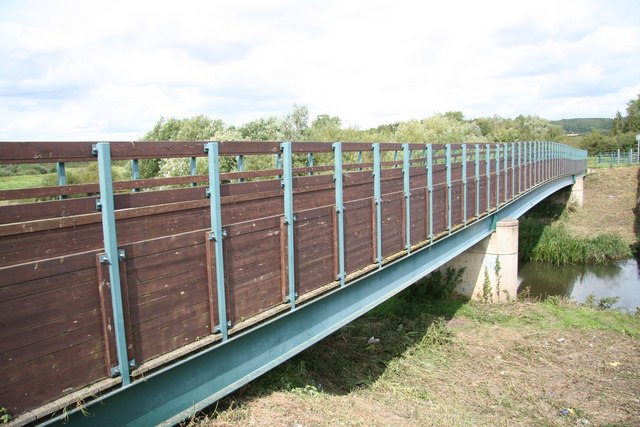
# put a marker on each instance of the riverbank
(454, 364)
(611, 204)
(604, 230)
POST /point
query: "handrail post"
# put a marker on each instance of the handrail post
(217, 235)
(103, 151)
(135, 173)
(337, 158)
(513, 170)
(477, 178)
(497, 176)
(289, 219)
(506, 172)
(448, 170)
(406, 172)
(519, 167)
(488, 174)
(464, 184)
(430, 188)
(377, 195)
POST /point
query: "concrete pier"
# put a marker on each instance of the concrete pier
(494, 262)
(577, 191)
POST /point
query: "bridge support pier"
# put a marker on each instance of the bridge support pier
(491, 265)
(577, 191)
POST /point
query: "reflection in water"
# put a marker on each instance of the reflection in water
(579, 281)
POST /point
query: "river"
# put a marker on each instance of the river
(620, 280)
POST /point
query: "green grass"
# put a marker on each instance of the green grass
(24, 181)
(544, 237)
(552, 314)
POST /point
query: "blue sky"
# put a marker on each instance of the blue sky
(108, 70)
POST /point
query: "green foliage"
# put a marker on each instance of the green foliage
(487, 291)
(585, 125)
(441, 129)
(438, 285)
(522, 128)
(5, 416)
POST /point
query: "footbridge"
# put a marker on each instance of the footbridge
(138, 301)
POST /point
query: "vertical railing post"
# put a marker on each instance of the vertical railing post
(506, 172)
(488, 174)
(240, 163)
(464, 184)
(337, 158)
(62, 176)
(535, 163)
(406, 172)
(525, 165)
(477, 180)
(497, 176)
(113, 255)
(193, 169)
(289, 219)
(430, 188)
(135, 173)
(519, 167)
(513, 170)
(360, 161)
(448, 170)
(377, 195)
(217, 235)
(310, 162)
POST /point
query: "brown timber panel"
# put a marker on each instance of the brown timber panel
(106, 308)
(51, 339)
(471, 197)
(439, 209)
(314, 248)
(392, 224)
(419, 216)
(359, 234)
(253, 268)
(456, 203)
(168, 292)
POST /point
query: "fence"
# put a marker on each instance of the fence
(103, 282)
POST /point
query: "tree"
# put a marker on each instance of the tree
(198, 128)
(295, 123)
(632, 121)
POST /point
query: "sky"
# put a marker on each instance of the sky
(109, 70)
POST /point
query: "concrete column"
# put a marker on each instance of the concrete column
(492, 262)
(577, 191)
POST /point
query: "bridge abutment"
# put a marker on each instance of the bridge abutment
(491, 265)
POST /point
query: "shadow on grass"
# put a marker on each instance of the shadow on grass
(356, 355)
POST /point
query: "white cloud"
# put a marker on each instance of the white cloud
(109, 70)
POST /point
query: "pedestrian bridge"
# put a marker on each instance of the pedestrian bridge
(141, 301)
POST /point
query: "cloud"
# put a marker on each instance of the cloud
(109, 70)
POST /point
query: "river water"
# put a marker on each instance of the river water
(579, 281)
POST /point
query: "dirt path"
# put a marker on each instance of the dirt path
(611, 199)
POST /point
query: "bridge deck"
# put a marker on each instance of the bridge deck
(102, 283)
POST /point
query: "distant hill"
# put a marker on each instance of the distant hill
(583, 126)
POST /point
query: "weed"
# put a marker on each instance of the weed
(590, 301)
(496, 269)
(607, 302)
(5, 416)
(487, 291)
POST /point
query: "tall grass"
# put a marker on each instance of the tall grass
(543, 237)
